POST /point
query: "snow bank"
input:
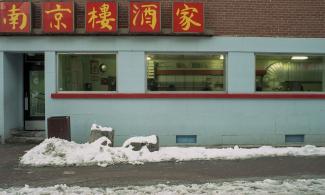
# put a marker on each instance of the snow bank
(268, 186)
(100, 128)
(60, 152)
(152, 139)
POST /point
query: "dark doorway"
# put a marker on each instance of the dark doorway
(34, 94)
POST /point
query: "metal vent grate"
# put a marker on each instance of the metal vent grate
(186, 139)
(294, 138)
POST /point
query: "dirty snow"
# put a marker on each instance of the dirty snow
(152, 139)
(268, 186)
(60, 152)
(100, 128)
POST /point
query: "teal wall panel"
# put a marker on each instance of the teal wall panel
(240, 72)
(253, 139)
(12, 92)
(209, 119)
(214, 121)
(162, 44)
(131, 72)
(317, 139)
(50, 83)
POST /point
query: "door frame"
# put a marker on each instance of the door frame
(30, 65)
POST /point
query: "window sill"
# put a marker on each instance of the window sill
(188, 96)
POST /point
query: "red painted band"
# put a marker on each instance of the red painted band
(185, 96)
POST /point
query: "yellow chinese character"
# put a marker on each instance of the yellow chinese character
(58, 16)
(186, 16)
(148, 15)
(14, 15)
(104, 17)
(93, 17)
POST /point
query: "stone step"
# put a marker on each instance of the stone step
(25, 137)
(21, 133)
(24, 140)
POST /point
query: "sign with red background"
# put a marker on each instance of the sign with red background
(188, 17)
(101, 17)
(144, 17)
(15, 17)
(58, 17)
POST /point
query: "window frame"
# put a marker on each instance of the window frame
(285, 92)
(84, 53)
(225, 88)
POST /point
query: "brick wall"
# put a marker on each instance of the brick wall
(274, 18)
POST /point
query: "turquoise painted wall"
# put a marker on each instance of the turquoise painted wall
(12, 92)
(162, 44)
(214, 121)
(131, 72)
(219, 121)
(240, 72)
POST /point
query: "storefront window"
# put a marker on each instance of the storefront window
(87, 72)
(185, 72)
(290, 73)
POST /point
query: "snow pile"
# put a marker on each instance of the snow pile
(100, 128)
(152, 139)
(60, 152)
(300, 186)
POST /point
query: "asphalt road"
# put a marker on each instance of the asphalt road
(11, 174)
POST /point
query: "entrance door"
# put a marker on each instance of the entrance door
(34, 95)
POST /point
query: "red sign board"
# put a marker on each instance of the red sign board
(144, 17)
(188, 17)
(58, 17)
(15, 17)
(101, 17)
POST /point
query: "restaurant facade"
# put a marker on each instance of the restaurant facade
(198, 72)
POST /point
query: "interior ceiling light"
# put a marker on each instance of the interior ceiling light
(221, 57)
(148, 58)
(299, 58)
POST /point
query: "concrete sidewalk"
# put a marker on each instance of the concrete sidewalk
(11, 174)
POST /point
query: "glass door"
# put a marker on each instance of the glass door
(34, 98)
(36, 94)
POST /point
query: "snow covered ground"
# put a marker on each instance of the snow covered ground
(60, 152)
(100, 128)
(301, 186)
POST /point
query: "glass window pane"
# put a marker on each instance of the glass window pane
(290, 73)
(185, 72)
(36, 93)
(87, 72)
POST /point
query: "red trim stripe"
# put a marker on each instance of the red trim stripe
(185, 96)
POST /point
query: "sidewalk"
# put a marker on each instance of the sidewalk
(11, 174)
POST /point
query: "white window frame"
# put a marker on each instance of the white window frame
(188, 53)
(85, 53)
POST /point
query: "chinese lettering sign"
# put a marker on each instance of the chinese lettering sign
(15, 17)
(101, 17)
(58, 17)
(144, 17)
(188, 17)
